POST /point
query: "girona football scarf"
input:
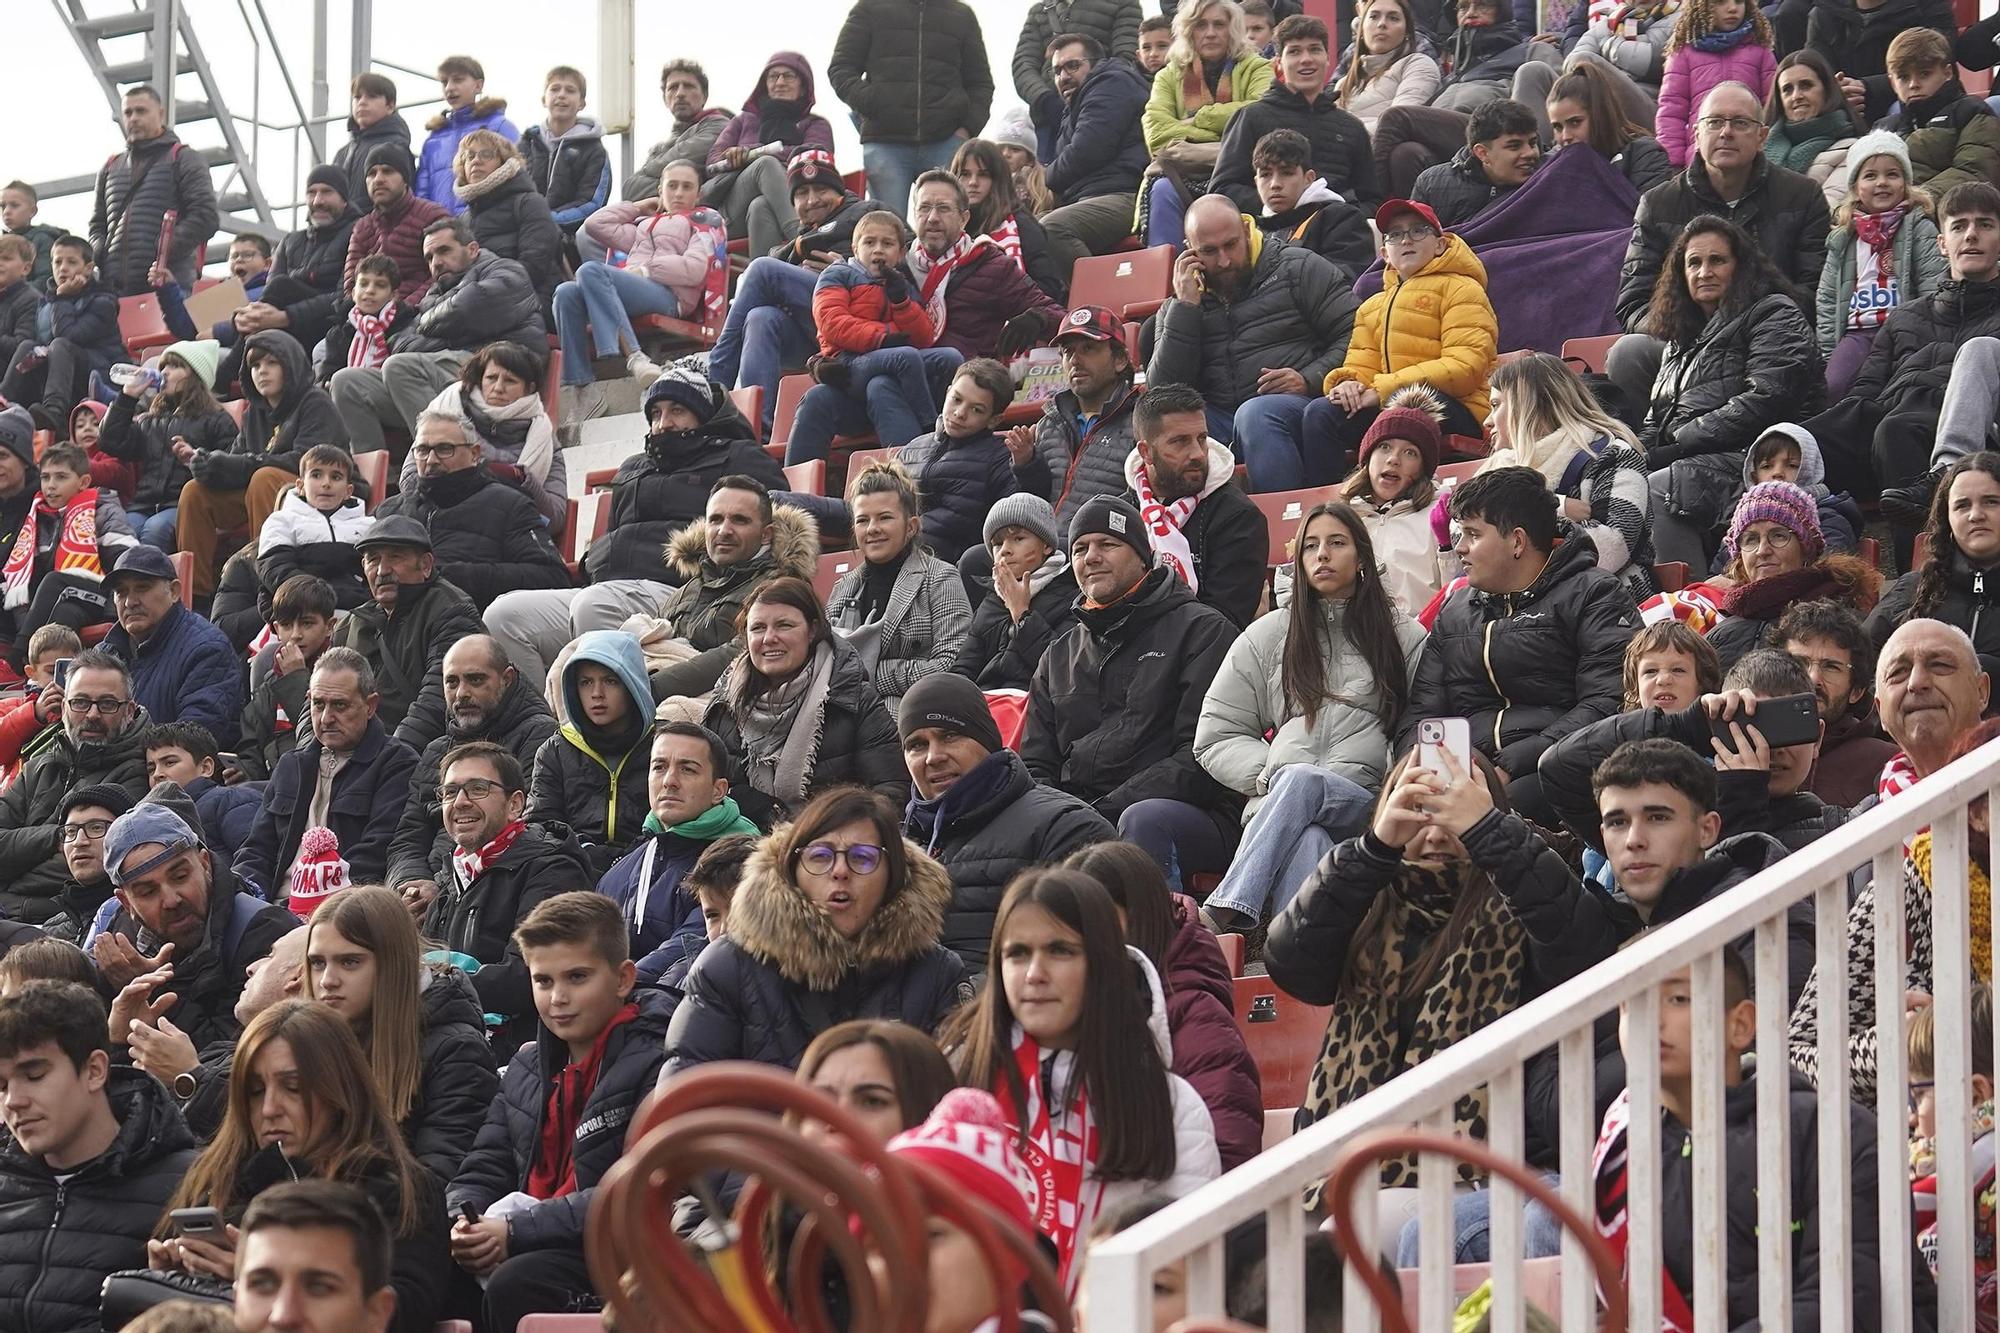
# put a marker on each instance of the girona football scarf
(471, 865)
(1060, 1147)
(76, 546)
(1164, 520)
(1608, 1171)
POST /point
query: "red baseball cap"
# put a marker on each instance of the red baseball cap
(1093, 322)
(1395, 206)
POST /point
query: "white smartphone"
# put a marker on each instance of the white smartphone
(1439, 736)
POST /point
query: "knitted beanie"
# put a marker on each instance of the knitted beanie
(968, 1140)
(1023, 510)
(1014, 127)
(17, 433)
(330, 176)
(813, 166)
(1878, 143)
(395, 156)
(318, 873)
(1115, 517)
(678, 384)
(1777, 502)
(1410, 414)
(947, 699)
(202, 357)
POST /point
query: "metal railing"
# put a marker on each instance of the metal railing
(1118, 1277)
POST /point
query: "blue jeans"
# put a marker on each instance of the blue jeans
(1222, 427)
(894, 167)
(770, 327)
(1166, 214)
(1472, 1227)
(890, 392)
(1184, 838)
(1270, 439)
(601, 303)
(1306, 812)
(158, 529)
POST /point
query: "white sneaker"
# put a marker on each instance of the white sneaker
(644, 370)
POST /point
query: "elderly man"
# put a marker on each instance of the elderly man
(1255, 327)
(332, 803)
(476, 297)
(697, 125)
(183, 668)
(1783, 211)
(1000, 822)
(1932, 690)
(485, 699)
(403, 631)
(101, 742)
(180, 929)
(155, 175)
(488, 536)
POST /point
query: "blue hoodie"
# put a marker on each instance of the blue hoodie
(591, 779)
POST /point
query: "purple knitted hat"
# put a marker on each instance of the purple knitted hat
(1778, 502)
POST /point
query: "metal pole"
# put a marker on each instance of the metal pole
(316, 129)
(361, 47)
(165, 19)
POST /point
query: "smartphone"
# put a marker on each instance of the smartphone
(197, 1222)
(1440, 736)
(60, 675)
(1791, 719)
(469, 1213)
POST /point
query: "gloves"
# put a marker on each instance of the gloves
(895, 287)
(894, 338)
(1020, 333)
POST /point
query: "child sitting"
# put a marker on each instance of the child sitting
(184, 754)
(182, 416)
(86, 428)
(499, 395)
(1032, 600)
(18, 302)
(875, 356)
(712, 879)
(18, 206)
(1714, 42)
(1787, 452)
(1303, 210)
(367, 321)
(1446, 336)
(76, 333)
(73, 534)
(522, 1195)
(29, 723)
(1391, 489)
(1668, 666)
(962, 467)
(313, 531)
(1953, 138)
(1883, 252)
(302, 613)
(1923, 1146)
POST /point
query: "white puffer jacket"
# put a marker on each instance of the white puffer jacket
(1411, 81)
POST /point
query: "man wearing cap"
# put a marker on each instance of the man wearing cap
(394, 224)
(769, 328)
(1254, 326)
(180, 928)
(978, 810)
(488, 536)
(306, 271)
(1113, 706)
(695, 437)
(183, 667)
(1198, 520)
(84, 818)
(1100, 150)
(101, 742)
(350, 778)
(1085, 432)
(413, 616)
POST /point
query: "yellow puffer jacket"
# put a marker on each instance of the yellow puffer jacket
(1437, 328)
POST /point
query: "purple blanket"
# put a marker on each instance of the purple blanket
(1552, 251)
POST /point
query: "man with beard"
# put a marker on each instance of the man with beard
(100, 743)
(305, 273)
(155, 175)
(1827, 640)
(485, 699)
(395, 222)
(1198, 520)
(697, 125)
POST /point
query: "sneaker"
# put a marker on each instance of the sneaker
(582, 402)
(643, 369)
(1909, 505)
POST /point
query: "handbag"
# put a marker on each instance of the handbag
(131, 1292)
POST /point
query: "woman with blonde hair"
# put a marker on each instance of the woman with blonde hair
(509, 215)
(1212, 72)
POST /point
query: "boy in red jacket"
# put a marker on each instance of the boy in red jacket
(29, 723)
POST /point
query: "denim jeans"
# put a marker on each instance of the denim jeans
(889, 392)
(1472, 1229)
(1270, 439)
(601, 303)
(1307, 811)
(158, 528)
(1184, 838)
(769, 327)
(894, 167)
(1166, 214)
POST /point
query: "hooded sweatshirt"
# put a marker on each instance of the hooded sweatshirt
(764, 120)
(274, 436)
(1840, 520)
(571, 169)
(593, 778)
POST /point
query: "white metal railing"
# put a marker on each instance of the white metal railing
(1118, 1277)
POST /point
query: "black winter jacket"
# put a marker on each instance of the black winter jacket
(316, 256)
(783, 974)
(479, 920)
(958, 480)
(1341, 151)
(420, 847)
(1231, 545)
(352, 156)
(512, 1135)
(406, 648)
(1909, 363)
(1333, 229)
(488, 536)
(1742, 373)
(664, 487)
(261, 741)
(135, 190)
(1971, 601)
(833, 236)
(605, 807)
(1856, 40)
(59, 1240)
(147, 441)
(31, 861)
(912, 71)
(1082, 465)
(1482, 55)
(1013, 824)
(1784, 212)
(1643, 162)
(1295, 312)
(20, 307)
(1114, 23)
(1100, 149)
(458, 1075)
(493, 300)
(1528, 668)
(573, 173)
(513, 221)
(367, 797)
(1458, 190)
(274, 436)
(1102, 696)
(1001, 653)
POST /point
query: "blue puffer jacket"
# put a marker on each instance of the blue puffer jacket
(187, 672)
(227, 813)
(89, 319)
(434, 179)
(1101, 149)
(668, 927)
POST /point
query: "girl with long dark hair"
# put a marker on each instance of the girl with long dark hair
(1958, 580)
(1300, 716)
(1811, 124)
(1000, 214)
(1585, 111)
(1385, 65)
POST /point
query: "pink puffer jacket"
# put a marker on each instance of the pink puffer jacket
(1692, 74)
(663, 246)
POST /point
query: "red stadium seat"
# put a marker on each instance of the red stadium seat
(1132, 284)
(373, 467)
(599, 478)
(1590, 351)
(1282, 511)
(141, 324)
(1232, 952)
(791, 391)
(589, 519)
(750, 402)
(236, 407)
(1672, 575)
(831, 566)
(807, 478)
(1453, 473)
(1284, 1037)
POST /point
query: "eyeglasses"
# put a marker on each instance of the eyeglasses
(1919, 1089)
(423, 451)
(483, 155)
(861, 858)
(1072, 66)
(83, 703)
(93, 829)
(477, 788)
(1772, 540)
(1741, 124)
(1404, 235)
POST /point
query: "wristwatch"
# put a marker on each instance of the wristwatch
(185, 1086)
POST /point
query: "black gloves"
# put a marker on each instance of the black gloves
(1020, 333)
(895, 287)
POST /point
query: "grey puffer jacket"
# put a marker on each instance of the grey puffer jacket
(1745, 371)
(922, 626)
(494, 300)
(1081, 466)
(1295, 313)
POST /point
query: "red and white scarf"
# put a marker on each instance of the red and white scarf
(471, 865)
(1611, 1194)
(1008, 237)
(931, 275)
(369, 347)
(1164, 521)
(1898, 776)
(1059, 1150)
(76, 546)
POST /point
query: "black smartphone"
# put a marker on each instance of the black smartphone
(199, 1223)
(60, 674)
(469, 1213)
(1791, 719)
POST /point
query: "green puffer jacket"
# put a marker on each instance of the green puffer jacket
(1920, 270)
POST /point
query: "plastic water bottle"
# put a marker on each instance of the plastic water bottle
(125, 373)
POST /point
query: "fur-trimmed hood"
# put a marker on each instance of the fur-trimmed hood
(479, 110)
(793, 545)
(771, 920)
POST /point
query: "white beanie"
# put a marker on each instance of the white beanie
(1879, 143)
